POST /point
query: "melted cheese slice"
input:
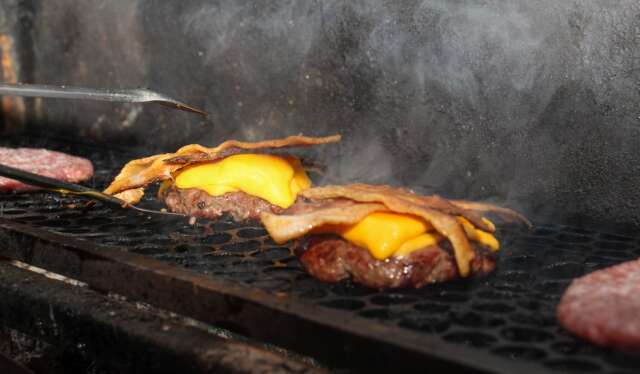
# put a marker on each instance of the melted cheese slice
(273, 178)
(387, 234)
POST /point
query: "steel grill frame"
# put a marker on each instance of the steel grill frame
(233, 275)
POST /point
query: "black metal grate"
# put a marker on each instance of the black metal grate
(509, 314)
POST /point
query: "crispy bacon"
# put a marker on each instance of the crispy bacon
(131, 196)
(394, 196)
(506, 215)
(304, 218)
(137, 174)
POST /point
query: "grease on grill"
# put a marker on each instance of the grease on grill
(509, 314)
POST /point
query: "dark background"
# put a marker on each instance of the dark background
(535, 105)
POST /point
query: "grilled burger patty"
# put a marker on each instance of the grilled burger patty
(197, 203)
(332, 259)
(603, 307)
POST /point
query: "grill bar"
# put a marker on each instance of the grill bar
(120, 335)
(324, 334)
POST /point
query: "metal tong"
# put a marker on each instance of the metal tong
(79, 93)
(69, 188)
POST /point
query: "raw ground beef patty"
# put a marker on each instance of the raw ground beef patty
(43, 162)
(604, 307)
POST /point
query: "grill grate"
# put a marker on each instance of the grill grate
(509, 314)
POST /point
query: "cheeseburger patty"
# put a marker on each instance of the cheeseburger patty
(332, 259)
(197, 203)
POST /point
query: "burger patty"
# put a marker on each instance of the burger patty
(43, 162)
(332, 259)
(604, 308)
(197, 203)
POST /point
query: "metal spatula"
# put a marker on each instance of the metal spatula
(80, 93)
(69, 188)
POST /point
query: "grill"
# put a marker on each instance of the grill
(235, 276)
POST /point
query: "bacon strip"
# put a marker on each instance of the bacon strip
(378, 193)
(285, 227)
(139, 173)
(507, 215)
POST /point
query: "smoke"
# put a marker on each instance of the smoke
(224, 24)
(260, 51)
(474, 99)
(365, 161)
(471, 49)
(443, 78)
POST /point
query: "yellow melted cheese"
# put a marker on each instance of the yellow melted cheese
(392, 234)
(273, 178)
(386, 234)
